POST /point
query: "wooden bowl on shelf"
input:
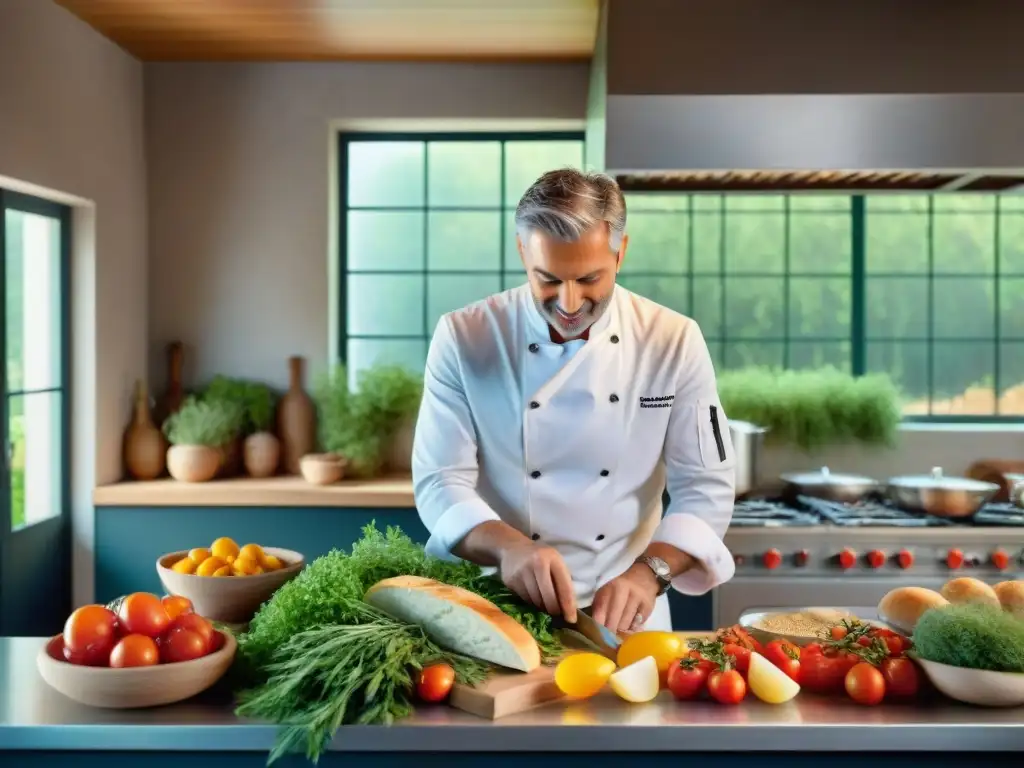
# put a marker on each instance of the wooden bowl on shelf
(229, 599)
(132, 687)
(322, 468)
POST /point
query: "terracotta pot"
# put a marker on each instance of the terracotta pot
(323, 468)
(399, 457)
(262, 453)
(145, 448)
(296, 420)
(193, 463)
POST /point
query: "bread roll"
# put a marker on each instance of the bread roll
(903, 606)
(1011, 597)
(458, 620)
(968, 590)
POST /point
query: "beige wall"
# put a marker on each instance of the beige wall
(71, 128)
(240, 189)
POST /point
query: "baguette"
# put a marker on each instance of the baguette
(1011, 597)
(968, 590)
(458, 620)
(903, 606)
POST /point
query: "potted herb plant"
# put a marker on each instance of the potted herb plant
(261, 450)
(197, 432)
(368, 425)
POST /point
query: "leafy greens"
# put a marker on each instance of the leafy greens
(316, 656)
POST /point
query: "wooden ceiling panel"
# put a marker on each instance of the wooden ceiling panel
(308, 30)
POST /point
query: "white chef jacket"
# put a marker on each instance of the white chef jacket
(573, 444)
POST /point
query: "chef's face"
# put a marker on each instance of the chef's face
(572, 283)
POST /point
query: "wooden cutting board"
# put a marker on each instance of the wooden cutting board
(507, 693)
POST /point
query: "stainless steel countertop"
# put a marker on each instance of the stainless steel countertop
(35, 717)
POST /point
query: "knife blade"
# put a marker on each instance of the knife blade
(606, 641)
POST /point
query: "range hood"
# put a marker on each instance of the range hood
(744, 95)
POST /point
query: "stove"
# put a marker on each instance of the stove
(807, 551)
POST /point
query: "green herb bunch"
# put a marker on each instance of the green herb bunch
(316, 656)
(971, 636)
(360, 424)
(198, 422)
(813, 408)
(255, 399)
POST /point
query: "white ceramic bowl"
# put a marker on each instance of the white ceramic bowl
(766, 636)
(976, 686)
(132, 687)
(229, 599)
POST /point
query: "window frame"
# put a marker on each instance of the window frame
(23, 203)
(858, 275)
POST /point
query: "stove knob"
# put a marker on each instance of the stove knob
(905, 558)
(738, 559)
(1000, 560)
(802, 557)
(876, 558)
(847, 558)
(954, 559)
(772, 558)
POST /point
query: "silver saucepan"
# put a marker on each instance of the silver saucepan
(936, 494)
(846, 489)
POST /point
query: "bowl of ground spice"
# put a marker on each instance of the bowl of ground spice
(799, 626)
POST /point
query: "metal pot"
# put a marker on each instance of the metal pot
(935, 494)
(747, 441)
(825, 485)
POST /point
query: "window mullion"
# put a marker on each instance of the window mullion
(858, 285)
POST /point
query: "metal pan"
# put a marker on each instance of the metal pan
(938, 495)
(846, 489)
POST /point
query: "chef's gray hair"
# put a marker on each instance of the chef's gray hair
(566, 203)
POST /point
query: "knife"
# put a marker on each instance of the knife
(606, 642)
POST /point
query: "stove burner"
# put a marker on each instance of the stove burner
(999, 514)
(870, 513)
(770, 514)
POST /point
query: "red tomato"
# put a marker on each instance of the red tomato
(727, 687)
(135, 651)
(902, 680)
(89, 635)
(218, 642)
(435, 682)
(821, 673)
(741, 655)
(176, 605)
(196, 623)
(705, 664)
(895, 645)
(838, 633)
(686, 680)
(785, 656)
(182, 644)
(142, 613)
(865, 684)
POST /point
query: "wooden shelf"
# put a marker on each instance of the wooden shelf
(394, 491)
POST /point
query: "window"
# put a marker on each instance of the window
(33, 237)
(926, 288)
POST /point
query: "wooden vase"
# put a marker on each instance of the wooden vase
(145, 448)
(193, 463)
(296, 420)
(175, 391)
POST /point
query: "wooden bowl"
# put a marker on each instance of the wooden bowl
(233, 599)
(322, 468)
(132, 687)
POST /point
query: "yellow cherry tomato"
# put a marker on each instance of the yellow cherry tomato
(583, 674)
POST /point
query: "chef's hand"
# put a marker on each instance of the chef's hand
(540, 576)
(626, 602)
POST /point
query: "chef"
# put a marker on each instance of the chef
(556, 414)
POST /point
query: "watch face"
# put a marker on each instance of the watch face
(660, 567)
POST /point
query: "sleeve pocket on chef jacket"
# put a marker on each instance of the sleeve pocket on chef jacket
(713, 436)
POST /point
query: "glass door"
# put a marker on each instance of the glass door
(35, 530)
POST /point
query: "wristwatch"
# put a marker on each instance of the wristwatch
(661, 571)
